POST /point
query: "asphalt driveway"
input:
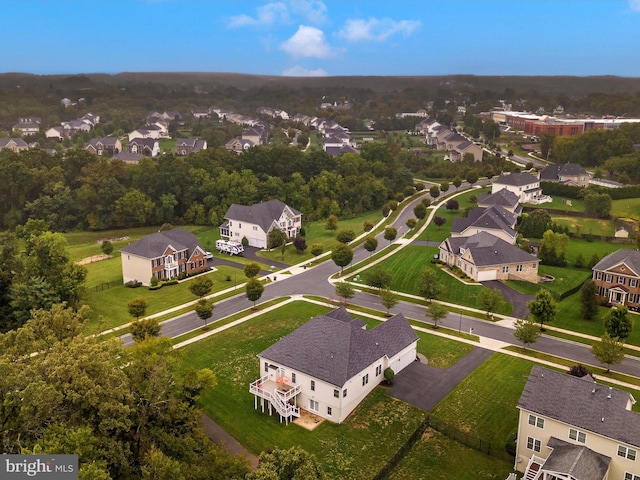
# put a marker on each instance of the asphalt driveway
(517, 299)
(424, 386)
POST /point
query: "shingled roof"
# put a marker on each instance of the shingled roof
(333, 347)
(582, 403)
(516, 179)
(491, 218)
(504, 198)
(489, 250)
(631, 258)
(576, 460)
(554, 172)
(263, 214)
(154, 245)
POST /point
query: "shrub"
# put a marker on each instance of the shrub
(173, 281)
(133, 284)
(367, 226)
(303, 232)
(154, 281)
(399, 197)
(393, 205)
(245, 242)
(228, 278)
(409, 190)
(155, 287)
(389, 375)
(182, 276)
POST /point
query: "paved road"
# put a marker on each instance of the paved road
(314, 281)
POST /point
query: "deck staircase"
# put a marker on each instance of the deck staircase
(278, 399)
(534, 468)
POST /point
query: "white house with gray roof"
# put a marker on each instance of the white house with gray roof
(330, 364)
(524, 185)
(254, 222)
(495, 220)
(575, 428)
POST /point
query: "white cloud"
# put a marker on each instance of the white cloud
(634, 5)
(314, 11)
(376, 29)
(265, 15)
(307, 42)
(299, 71)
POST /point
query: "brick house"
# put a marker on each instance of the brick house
(185, 146)
(617, 278)
(164, 255)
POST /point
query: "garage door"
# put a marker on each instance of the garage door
(487, 275)
(257, 242)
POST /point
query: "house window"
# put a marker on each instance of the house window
(536, 421)
(608, 278)
(313, 405)
(577, 435)
(239, 225)
(336, 393)
(628, 453)
(293, 377)
(533, 444)
(255, 229)
(329, 411)
(518, 268)
(266, 366)
(631, 298)
(230, 223)
(621, 280)
(201, 263)
(313, 385)
(344, 393)
(378, 370)
(631, 476)
(598, 275)
(505, 269)
(633, 282)
(365, 379)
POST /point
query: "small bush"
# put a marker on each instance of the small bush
(389, 375)
(228, 278)
(173, 281)
(367, 226)
(182, 276)
(154, 281)
(155, 287)
(303, 232)
(133, 284)
(510, 444)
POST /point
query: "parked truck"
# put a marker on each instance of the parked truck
(230, 247)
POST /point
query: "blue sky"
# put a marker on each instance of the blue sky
(323, 37)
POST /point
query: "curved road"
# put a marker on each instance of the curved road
(314, 281)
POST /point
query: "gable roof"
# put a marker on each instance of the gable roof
(105, 141)
(631, 258)
(581, 403)
(494, 217)
(554, 172)
(515, 179)
(262, 214)
(333, 347)
(576, 460)
(489, 250)
(154, 245)
(146, 142)
(4, 142)
(503, 198)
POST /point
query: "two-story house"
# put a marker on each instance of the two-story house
(567, 173)
(617, 278)
(148, 147)
(254, 222)
(574, 428)
(163, 255)
(524, 185)
(495, 220)
(109, 145)
(330, 364)
(185, 146)
(13, 144)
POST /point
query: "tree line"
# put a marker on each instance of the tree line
(76, 190)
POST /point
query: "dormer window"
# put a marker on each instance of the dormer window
(462, 251)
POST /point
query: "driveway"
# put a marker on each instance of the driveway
(517, 299)
(424, 386)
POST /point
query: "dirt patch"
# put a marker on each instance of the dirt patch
(308, 420)
(95, 258)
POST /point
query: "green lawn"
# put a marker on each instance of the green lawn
(406, 266)
(566, 278)
(560, 203)
(627, 207)
(316, 233)
(434, 233)
(586, 226)
(356, 449)
(109, 305)
(437, 457)
(484, 403)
